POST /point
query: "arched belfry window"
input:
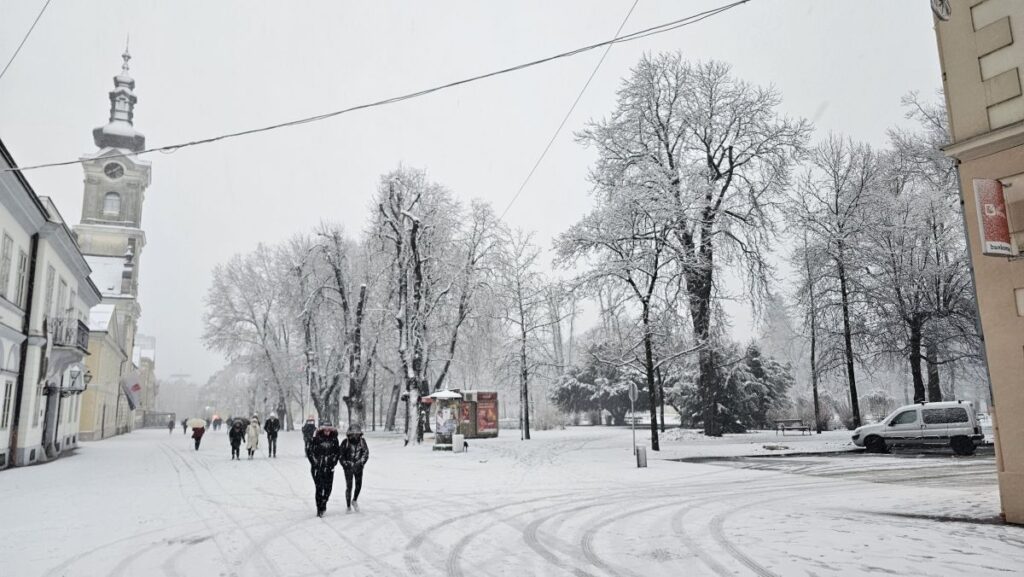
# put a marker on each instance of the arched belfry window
(112, 204)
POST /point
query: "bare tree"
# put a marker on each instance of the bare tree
(713, 158)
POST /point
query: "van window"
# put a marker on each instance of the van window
(941, 416)
(905, 418)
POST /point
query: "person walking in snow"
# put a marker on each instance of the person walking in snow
(323, 456)
(236, 434)
(197, 434)
(184, 426)
(170, 425)
(354, 455)
(308, 429)
(252, 435)
(272, 426)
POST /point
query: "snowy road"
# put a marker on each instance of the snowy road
(566, 503)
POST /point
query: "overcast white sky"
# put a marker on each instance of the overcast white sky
(206, 67)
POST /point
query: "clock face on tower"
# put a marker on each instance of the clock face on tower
(113, 170)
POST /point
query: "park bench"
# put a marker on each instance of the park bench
(783, 425)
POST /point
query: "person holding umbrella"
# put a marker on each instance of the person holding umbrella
(252, 435)
(323, 455)
(198, 428)
(272, 426)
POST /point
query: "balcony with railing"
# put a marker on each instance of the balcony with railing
(69, 332)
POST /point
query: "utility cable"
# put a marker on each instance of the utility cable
(567, 115)
(659, 29)
(23, 40)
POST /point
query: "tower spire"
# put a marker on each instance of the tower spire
(119, 131)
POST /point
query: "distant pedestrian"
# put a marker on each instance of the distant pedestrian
(323, 456)
(236, 434)
(170, 425)
(308, 429)
(252, 436)
(272, 426)
(197, 434)
(354, 455)
(184, 426)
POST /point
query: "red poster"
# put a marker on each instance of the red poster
(487, 413)
(993, 226)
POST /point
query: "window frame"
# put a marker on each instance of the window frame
(6, 258)
(106, 198)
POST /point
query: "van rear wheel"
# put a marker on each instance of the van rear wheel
(876, 445)
(962, 446)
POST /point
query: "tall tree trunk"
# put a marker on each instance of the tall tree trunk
(524, 380)
(914, 356)
(932, 357)
(649, 366)
(848, 339)
(700, 311)
(814, 338)
(661, 397)
(392, 410)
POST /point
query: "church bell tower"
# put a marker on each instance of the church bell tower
(110, 234)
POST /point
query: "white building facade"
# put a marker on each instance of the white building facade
(45, 298)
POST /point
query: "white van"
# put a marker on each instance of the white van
(951, 422)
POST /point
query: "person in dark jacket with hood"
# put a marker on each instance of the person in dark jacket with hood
(236, 434)
(272, 426)
(308, 429)
(354, 455)
(184, 426)
(323, 457)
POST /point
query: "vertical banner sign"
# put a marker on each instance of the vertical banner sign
(487, 414)
(993, 226)
(131, 387)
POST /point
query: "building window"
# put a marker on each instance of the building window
(1019, 293)
(112, 204)
(6, 417)
(21, 288)
(62, 297)
(39, 405)
(6, 252)
(71, 305)
(49, 288)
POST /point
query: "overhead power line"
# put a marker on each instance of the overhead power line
(659, 29)
(565, 118)
(23, 40)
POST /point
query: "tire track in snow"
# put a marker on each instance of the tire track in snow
(260, 554)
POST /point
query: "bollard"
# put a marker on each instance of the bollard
(641, 457)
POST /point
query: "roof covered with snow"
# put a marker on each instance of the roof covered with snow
(106, 273)
(100, 317)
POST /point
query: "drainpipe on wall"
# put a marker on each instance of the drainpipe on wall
(25, 329)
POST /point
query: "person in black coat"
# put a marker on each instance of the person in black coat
(184, 426)
(354, 455)
(197, 435)
(236, 434)
(170, 426)
(308, 429)
(323, 457)
(272, 426)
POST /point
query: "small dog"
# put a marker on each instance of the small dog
(465, 446)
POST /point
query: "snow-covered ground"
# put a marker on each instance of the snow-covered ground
(565, 503)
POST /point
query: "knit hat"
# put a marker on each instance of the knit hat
(326, 423)
(355, 430)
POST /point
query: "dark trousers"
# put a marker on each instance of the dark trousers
(197, 442)
(350, 475)
(234, 450)
(324, 481)
(272, 445)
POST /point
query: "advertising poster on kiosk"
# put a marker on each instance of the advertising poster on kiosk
(487, 414)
